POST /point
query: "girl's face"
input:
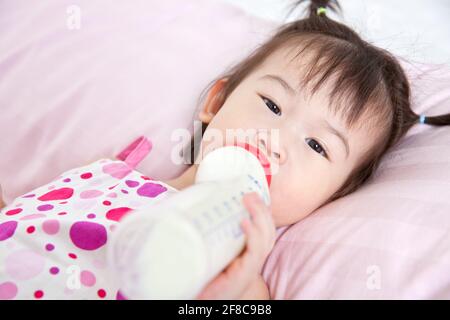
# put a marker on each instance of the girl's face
(312, 159)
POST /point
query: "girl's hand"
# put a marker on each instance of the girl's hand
(233, 282)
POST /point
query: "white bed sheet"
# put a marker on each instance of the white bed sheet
(418, 29)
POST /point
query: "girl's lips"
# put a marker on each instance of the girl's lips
(261, 157)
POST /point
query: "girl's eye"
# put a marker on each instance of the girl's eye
(272, 106)
(317, 147)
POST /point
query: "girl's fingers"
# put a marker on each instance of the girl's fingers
(250, 253)
(262, 220)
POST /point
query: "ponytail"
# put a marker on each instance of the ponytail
(440, 120)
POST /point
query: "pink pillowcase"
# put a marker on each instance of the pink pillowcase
(70, 97)
(390, 239)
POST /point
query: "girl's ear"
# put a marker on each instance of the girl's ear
(213, 103)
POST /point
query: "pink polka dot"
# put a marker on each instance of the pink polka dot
(88, 235)
(33, 216)
(49, 247)
(66, 180)
(87, 278)
(117, 214)
(31, 229)
(112, 195)
(8, 290)
(38, 294)
(88, 194)
(51, 226)
(13, 212)
(107, 203)
(91, 216)
(45, 207)
(86, 175)
(7, 229)
(62, 213)
(124, 191)
(29, 196)
(116, 170)
(24, 264)
(58, 194)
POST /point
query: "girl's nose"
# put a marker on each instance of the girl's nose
(269, 144)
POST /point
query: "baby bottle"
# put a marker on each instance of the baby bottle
(174, 248)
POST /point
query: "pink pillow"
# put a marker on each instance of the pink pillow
(72, 96)
(390, 239)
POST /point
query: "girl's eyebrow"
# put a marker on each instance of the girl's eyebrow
(281, 81)
(342, 137)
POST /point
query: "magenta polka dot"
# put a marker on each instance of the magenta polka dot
(51, 226)
(29, 196)
(38, 294)
(124, 191)
(88, 194)
(58, 194)
(117, 214)
(8, 290)
(120, 296)
(13, 212)
(72, 255)
(49, 247)
(131, 183)
(150, 190)
(86, 175)
(54, 270)
(88, 235)
(91, 216)
(66, 180)
(7, 229)
(87, 278)
(24, 264)
(45, 207)
(101, 293)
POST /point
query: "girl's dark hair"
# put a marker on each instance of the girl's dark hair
(370, 79)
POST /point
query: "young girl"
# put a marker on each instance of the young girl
(338, 104)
